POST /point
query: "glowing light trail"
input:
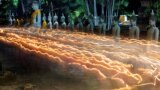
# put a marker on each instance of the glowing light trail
(129, 64)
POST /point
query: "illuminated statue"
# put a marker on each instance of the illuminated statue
(153, 31)
(80, 25)
(116, 28)
(50, 21)
(90, 26)
(55, 21)
(102, 26)
(44, 23)
(63, 25)
(36, 15)
(71, 23)
(134, 30)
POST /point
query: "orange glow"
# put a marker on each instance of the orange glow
(128, 62)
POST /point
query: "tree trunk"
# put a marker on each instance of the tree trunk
(87, 6)
(102, 5)
(95, 8)
(109, 13)
(95, 14)
(118, 7)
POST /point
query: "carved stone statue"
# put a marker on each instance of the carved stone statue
(44, 24)
(13, 19)
(116, 28)
(102, 26)
(80, 25)
(10, 20)
(63, 23)
(90, 26)
(49, 21)
(22, 22)
(134, 30)
(71, 23)
(55, 21)
(18, 22)
(36, 15)
(153, 31)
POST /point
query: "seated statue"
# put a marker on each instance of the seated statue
(63, 23)
(153, 31)
(102, 26)
(18, 23)
(80, 25)
(10, 21)
(22, 22)
(134, 30)
(49, 21)
(116, 28)
(90, 26)
(44, 23)
(36, 15)
(13, 20)
(55, 21)
(71, 23)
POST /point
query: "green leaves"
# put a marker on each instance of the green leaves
(157, 8)
(15, 2)
(76, 7)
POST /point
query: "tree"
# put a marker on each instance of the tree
(5, 8)
(156, 6)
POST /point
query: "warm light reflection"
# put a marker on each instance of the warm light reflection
(128, 63)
